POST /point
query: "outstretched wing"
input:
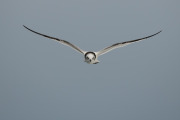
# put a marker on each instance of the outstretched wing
(117, 45)
(60, 40)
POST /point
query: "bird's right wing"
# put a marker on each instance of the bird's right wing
(60, 40)
(117, 45)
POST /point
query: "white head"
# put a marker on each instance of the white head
(90, 57)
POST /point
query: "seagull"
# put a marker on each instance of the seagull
(89, 56)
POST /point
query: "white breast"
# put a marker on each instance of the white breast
(90, 55)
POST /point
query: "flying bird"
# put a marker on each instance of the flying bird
(92, 57)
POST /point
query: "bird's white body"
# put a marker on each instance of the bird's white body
(92, 57)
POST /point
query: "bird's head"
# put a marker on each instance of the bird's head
(90, 57)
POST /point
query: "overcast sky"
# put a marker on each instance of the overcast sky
(41, 79)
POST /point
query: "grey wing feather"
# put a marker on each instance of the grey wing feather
(117, 45)
(60, 40)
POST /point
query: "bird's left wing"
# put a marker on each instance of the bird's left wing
(117, 45)
(60, 40)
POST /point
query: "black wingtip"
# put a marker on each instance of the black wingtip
(159, 31)
(29, 29)
(24, 26)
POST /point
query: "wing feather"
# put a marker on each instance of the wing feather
(117, 45)
(60, 40)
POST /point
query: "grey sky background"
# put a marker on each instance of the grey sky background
(41, 79)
